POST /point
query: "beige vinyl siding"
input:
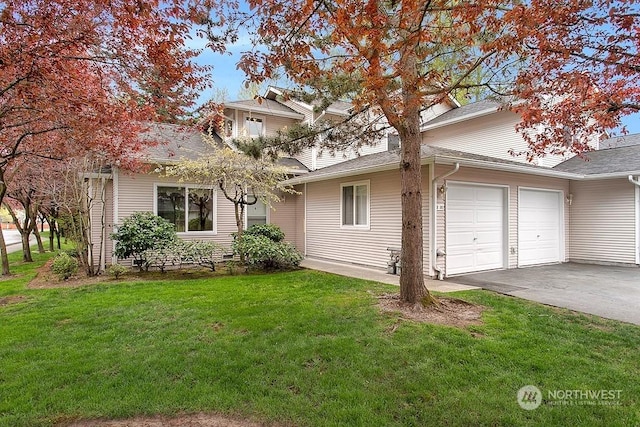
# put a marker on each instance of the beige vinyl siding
(284, 214)
(603, 224)
(136, 194)
(491, 135)
(299, 108)
(327, 239)
(512, 181)
(300, 218)
(305, 157)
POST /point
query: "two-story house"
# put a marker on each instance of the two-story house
(483, 208)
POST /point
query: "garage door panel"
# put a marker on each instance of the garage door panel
(460, 216)
(475, 228)
(539, 227)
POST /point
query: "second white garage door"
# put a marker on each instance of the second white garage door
(539, 227)
(475, 228)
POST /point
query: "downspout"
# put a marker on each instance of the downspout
(304, 224)
(636, 182)
(434, 220)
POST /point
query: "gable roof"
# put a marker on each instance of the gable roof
(608, 161)
(265, 106)
(389, 160)
(176, 142)
(336, 107)
(466, 112)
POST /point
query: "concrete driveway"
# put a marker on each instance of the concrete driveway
(611, 292)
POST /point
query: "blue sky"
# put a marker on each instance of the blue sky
(226, 75)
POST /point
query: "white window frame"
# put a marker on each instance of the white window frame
(187, 187)
(246, 216)
(257, 117)
(354, 184)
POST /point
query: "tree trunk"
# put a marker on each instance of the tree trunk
(51, 236)
(412, 287)
(38, 239)
(4, 255)
(3, 247)
(26, 249)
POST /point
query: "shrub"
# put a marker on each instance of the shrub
(141, 232)
(270, 231)
(205, 254)
(169, 254)
(64, 266)
(262, 252)
(116, 270)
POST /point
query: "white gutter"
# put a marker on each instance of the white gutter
(115, 194)
(509, 167)
(434, 218)
(636, 182)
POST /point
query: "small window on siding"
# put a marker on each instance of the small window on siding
(256, 213)
(254, 127)
(355, 204)
(188, 208)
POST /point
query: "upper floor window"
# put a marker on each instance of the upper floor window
(355, 204)
(254, 126)
(188, 208)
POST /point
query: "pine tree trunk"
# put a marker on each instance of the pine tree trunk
(412, 287)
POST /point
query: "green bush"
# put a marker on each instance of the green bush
(261, 252)
(64, 266)
(116, 270)
(141, 232)
(202, 253)
(270, 231)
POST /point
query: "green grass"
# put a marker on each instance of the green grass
(299, 348)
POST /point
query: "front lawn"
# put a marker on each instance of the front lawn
(299, 348)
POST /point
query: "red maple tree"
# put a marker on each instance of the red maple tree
(85, 75)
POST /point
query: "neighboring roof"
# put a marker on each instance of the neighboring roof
(609, 161)
(266, 106)
(292, 164)
(176, 142)
(466, 112)
(389, 160)
(620, 141)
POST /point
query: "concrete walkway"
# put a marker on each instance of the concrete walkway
(372, 274)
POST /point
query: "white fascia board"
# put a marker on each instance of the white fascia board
(263, 110)
(529, 170)
(611, 175)
(342, 174)
(352, 172)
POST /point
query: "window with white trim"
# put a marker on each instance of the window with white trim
(254, 126)
(188, 208)
(256, 213)
(355, 204)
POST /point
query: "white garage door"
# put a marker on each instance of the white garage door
(539, 230)
(475, 228)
